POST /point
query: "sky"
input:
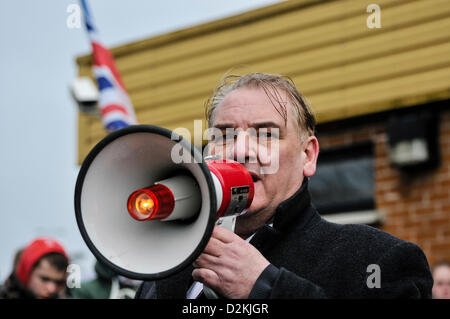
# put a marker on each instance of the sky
(38, 135)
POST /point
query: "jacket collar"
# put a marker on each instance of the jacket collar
(296, 211)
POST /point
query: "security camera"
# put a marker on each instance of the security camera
(86, 94)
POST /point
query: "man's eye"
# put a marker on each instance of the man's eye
(57, 282)
(267, 135)
(226, 137)
(45, 279)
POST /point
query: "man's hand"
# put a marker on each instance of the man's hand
(229, 265)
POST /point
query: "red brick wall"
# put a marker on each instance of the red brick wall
(417, 208)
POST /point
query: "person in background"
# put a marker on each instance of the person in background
(107, 285)
(441, 277)
(39, 272)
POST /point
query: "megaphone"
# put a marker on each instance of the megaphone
(144, 212)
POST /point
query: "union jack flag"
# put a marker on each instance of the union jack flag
(115, 105)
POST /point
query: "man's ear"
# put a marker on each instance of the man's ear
(311, 152)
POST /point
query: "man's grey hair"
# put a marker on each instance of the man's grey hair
(271, 84)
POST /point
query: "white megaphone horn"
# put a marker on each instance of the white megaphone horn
(147, 216)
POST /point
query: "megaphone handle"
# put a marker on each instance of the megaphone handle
(227, 222)
(209, 293)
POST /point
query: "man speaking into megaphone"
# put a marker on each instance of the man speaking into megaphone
(281, 247)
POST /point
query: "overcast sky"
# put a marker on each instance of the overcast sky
(38, 135)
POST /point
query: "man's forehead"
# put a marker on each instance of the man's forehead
(255, 96)
(46, 267)
(251, 106)
(252, 124)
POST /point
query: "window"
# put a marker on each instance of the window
(342, 188)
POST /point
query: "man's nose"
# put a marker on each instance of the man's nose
(244, 147)
(51, 287)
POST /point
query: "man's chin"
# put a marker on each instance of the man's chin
(251, 211)
(249, 222)
(255, 212)
(50, 296)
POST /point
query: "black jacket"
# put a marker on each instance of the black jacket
(13, 289)
(313, 258)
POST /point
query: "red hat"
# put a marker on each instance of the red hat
(33, 252)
